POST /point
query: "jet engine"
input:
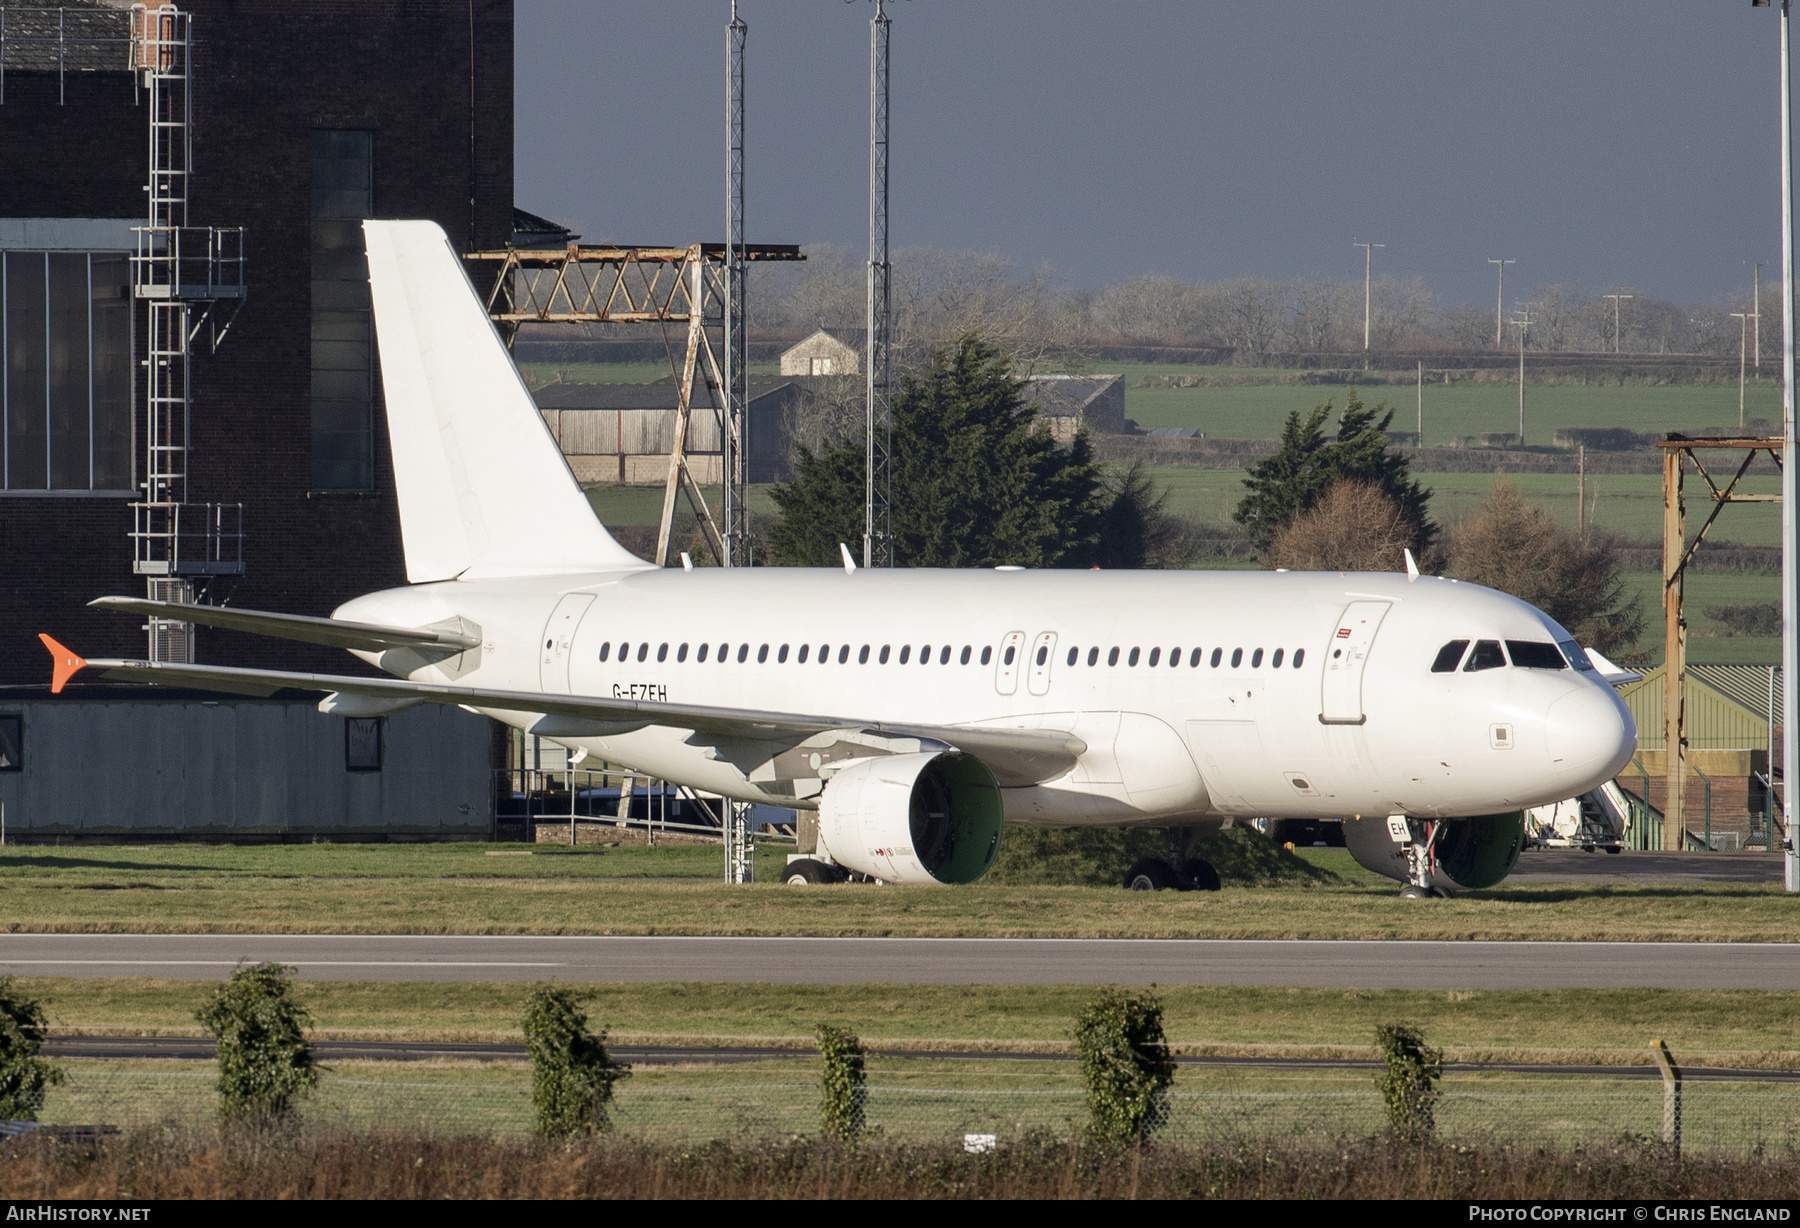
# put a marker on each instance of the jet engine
(919, 818)
(1463, 854)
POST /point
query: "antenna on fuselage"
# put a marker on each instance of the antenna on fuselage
(1412, 568)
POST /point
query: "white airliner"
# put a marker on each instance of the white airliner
(917, 709)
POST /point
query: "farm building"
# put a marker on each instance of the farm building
(1729, 741)
(1069, 402)
(621, 433)
(829, 351)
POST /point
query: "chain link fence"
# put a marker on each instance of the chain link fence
(941, 1101)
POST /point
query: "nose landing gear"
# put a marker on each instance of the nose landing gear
(1419, 837)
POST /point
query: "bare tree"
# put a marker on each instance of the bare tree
(1252, 318)
(1354, 527)
(1321, 314)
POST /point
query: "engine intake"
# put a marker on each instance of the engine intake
(920, 818)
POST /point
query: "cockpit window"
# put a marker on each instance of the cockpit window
(1577, 657)
(1528, 654)
(1487, 655)
(1449, 656)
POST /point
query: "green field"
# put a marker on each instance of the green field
(458, 888)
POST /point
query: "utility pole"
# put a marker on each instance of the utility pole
(1756, 311)
(1421, 402)
(1368, 270)
(1499, 296)
(1523, 323)
(1615, 298)
(1743, 319)
(878, 538)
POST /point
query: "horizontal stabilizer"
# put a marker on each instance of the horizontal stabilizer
(1017, 757)
(369, 637)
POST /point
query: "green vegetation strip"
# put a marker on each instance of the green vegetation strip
(1721, 1028)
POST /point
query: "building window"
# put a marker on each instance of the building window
(12, 741)
(343, 438)
(362, 744)
(822, 366)
(65, 385)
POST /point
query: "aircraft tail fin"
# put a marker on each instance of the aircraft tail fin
(482, 485)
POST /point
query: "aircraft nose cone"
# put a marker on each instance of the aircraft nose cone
(1591, 732)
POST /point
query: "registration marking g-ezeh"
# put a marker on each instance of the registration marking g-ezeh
(641, 690)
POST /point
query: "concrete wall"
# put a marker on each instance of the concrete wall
(241, 767)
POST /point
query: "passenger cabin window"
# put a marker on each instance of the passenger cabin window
(1009, 655)
(643, 650)
(905, 654)
(1449, 657)
(1299, 656)
(1043, 654)
(1194, 659)
(987, 654)
(1237, 657)
(884, 654)
(1577, 657)
(1217, 656)
(944, 655)
(762, 654)
(1530, 654)
(662, 653)
(1487, 655)
(862, 657)
(702, 654)
(681, 653)
(1093, 656)
(743, 653)
(1112, 658)
(605, 650)
(844, 653)
(1275, 661)
(965, 654)
(1256, 659)
(1155, 655)
(1132, 659)
(804, 649)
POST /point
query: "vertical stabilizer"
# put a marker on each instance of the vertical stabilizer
(483, 487)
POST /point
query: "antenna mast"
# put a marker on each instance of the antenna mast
(735, 437)
(878, 539)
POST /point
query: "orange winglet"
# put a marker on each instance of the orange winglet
(66, 664)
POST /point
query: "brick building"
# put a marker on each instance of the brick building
(304, 118)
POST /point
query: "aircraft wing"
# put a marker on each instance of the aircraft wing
(1017, 757)
(455, 636)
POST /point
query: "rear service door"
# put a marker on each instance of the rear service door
(559, 638)
(1340, 701)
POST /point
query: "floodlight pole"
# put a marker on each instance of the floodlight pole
(1756, 312)
(1368, 270)
(878, 538)
(1616, 298)
(1790, 490)
(1500, 297)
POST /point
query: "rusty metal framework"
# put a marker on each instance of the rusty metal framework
(1678, 552)
(643, 285)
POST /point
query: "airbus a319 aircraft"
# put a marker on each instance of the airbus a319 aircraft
(919, 710)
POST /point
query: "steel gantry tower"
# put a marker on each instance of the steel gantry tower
(186, 276)
(878, 537)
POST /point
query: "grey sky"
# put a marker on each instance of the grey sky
(1600, 141)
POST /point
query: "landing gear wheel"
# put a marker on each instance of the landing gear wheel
(1613, 848)
(1414, 892)
(1151, 875)
(805, 871)
(1200, 874)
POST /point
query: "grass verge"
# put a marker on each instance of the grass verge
(188, 1164)
(1720, 1028)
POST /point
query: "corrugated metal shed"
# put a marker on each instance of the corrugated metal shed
(1727, 707)
(95, 766)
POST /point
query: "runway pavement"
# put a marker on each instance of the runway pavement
(939, 961)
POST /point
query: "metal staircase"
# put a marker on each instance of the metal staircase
(191, 279)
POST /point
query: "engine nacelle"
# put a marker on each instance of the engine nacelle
(920, 818)
(1471, 853)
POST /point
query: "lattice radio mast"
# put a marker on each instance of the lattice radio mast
(735, 437)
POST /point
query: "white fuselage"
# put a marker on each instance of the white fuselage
(1269, 722)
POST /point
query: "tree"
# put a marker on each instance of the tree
(842, 1112)
(1355, 526)
(23, 1075)
(1407, 1081)
(1575, 579)
(572, 1074)
(1307, 464)
(1125, 1064)
(1136, 528)
(976, 482)
(264, 1060)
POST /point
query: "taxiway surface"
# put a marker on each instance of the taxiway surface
(939, 961)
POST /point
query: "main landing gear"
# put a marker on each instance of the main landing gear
(1179, 873)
